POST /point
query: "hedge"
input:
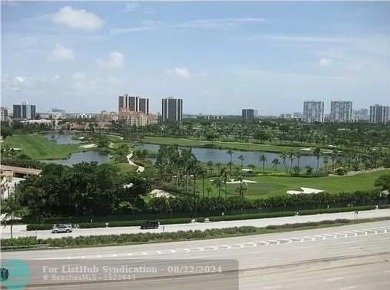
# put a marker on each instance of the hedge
(33, 227)
(337, 209)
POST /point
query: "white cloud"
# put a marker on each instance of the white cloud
(56, 77)
(115, 60)
(117, 31)
(61, 53)
(18, 79)
(78, 19)
(131, 6)
(219, 22)
(325, 62)
(181, 72)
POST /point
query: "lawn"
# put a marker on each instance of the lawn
(220, 144)
(272, 185)
(39, 148)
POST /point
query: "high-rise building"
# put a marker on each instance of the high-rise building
(341, 111)
(379, 114)
(133, 104)
(24, 111)
(313, 111)
(172, 110)
(249, 114)
(3, 114)
(361, 115)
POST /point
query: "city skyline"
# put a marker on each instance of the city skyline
(228, 55)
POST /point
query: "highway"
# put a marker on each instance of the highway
(20, 230)
(347, 257)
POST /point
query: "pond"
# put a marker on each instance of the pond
(62, 139)
(250, 157)
(89, 156)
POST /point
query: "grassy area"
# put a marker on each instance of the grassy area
(272, 185)
(220, 144)
(38, 147)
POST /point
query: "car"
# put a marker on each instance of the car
(4, 273)
(62, 229)
(150, 225)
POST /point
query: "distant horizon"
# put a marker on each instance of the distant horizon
(219, 57)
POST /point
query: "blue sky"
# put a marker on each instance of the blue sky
(219, 57)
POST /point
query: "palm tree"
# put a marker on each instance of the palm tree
(218, 183)
(230, 152)
(291, 156)
(298, 156)
(263, 159)
(218, 164)
(326, 161)
(242, 158)
(203, 174)
(10, 209)
(225, 178)
(284, 156)
(275, 163)
(210, 166)
(317, 154)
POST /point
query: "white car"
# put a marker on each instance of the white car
(62, 229)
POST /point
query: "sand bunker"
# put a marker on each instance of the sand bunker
(305, 190)
(88, 146)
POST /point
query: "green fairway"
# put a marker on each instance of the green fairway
(271, 185)
(39, 148)
(221, 144)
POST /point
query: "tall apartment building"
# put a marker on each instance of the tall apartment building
(134, 104)
(24, 111)
(341, 111)
(3, 114)
(172, 110)
(379, 114)
(249, 114)
(361, 115)
(313, 111)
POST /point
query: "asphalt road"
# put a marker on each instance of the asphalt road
(20, 230)
(343, 258)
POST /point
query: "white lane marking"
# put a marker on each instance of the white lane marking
(129, 254)
(310, 238)
(99, 256)
(334, 279)
(227, 247)
(114, 255)
(288, 241)
(158, 252)
(82, 257)
(331, 235)
(275, 242)
(320, 236)
(239, 245)
(212, 248)
(250, 244)
(388, 271)
(348, 287)
(187, 250)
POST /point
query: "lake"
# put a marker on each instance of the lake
(251, 157)
(62, 139)
(89, 156)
